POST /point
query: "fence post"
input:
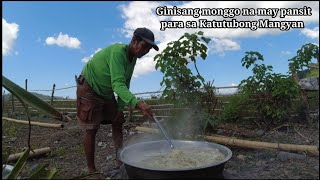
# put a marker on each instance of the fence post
(130, 113)
(2, 102)
(12, 104)
(26, 87)
(26, 84)
(52, 93)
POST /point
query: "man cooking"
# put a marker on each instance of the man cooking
(108, 72)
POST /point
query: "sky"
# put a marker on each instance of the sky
(50, 42)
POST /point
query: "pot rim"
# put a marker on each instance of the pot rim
(228, 156)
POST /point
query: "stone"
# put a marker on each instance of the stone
(109, 158)
(146, 124)
(109, 135)
(220, 131)
(260, 163)
(6, 170)
(260, 132)
(125, 131)
(34, 167)
(310, 83)
(284, 156)
(241, 157)
(99, 144)
(11, 140)
(316, 168)
(263, 155)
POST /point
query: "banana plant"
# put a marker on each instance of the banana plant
(32, 100)
(42, 172)
(19, 165)
(25, 97)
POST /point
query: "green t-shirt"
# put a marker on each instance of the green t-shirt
(110, 71)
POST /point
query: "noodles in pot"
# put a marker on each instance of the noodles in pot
(182, 159)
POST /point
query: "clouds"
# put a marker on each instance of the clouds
(228, 91)
(9, 36)
(139, 14)
(285, 53)
(144, 65)
(221, 45)
(63, 40)
(86, 59)
(222, 39)
(311, 33)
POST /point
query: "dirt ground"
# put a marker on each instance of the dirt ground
(68, 156)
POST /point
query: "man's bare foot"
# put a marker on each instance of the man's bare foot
(96, 176)
(90, 170)
(117, 164)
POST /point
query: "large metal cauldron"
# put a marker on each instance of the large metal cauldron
(134, 153)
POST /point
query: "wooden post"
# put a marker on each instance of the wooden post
(26, 84)
(12, 104)
(54, 86)
(26, 87)
(130, 113)
(2, 102)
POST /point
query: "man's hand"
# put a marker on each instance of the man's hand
(145, 109)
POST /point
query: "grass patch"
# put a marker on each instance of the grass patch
(79, 149)
(10, 129)
(61, 151)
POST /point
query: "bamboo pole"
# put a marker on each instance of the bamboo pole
(48, 125)
(264, 145)
(313, 150)
(146, 129)
(140, 115)
(33, 153)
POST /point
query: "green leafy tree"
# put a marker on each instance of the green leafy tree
(301, 63)
(304, 58)
(173, 62)
(182, 87)
(270, 93)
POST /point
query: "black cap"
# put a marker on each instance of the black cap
(146, 35)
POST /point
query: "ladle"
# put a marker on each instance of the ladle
(163, 132)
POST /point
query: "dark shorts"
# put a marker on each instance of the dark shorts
(92, 109)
